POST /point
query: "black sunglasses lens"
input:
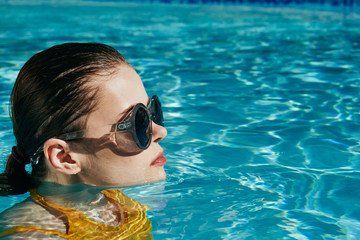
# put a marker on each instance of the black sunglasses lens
(157, 113)
(141, 127)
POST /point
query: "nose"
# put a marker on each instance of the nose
(158, 132)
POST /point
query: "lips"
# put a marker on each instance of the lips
(159, 161)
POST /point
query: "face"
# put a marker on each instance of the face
(105, 162)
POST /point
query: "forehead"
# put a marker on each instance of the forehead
(117, 92)
(125, 84)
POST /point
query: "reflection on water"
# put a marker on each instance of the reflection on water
(86, 213)
(261, 106)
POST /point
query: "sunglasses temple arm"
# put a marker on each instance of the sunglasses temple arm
(72, 135)
(121, 126)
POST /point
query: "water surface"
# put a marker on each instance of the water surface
(261, 105)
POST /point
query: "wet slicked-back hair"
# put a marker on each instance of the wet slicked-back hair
(52, 95)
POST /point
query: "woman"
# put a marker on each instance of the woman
(81, 117)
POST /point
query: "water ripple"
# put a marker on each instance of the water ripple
(261, 105)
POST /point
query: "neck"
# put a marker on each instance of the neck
(76, 193)
(62, 179)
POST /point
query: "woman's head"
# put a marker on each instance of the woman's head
(72, 87)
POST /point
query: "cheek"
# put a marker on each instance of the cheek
(125, 145)
(108, 168)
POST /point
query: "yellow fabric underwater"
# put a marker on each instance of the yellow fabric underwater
(79, 226)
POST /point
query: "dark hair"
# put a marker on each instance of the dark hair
(51, 96)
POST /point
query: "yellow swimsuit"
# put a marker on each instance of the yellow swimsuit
(79, 226)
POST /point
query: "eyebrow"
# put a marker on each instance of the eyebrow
(124, 114)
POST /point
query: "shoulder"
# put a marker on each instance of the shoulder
(29, 214)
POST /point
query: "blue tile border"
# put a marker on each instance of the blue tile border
(334, 3)
(264, 3)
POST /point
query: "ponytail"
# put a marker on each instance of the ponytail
(15, 180)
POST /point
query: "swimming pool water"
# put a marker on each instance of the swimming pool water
(261, 106)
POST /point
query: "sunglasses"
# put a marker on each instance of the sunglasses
(139, 125)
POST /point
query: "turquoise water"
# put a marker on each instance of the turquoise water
(261, 105)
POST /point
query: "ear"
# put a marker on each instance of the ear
(57, 152)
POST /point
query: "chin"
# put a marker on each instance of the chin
(161, 176)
